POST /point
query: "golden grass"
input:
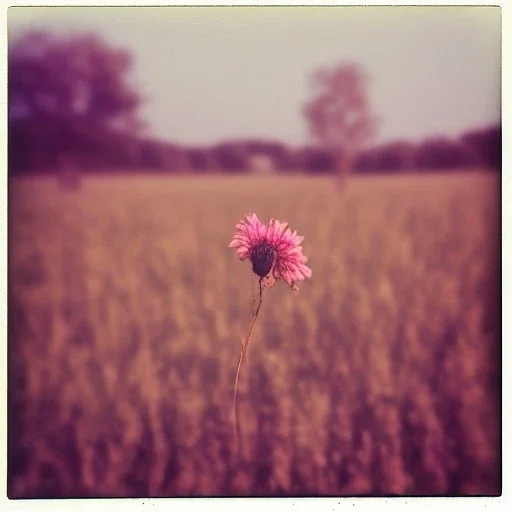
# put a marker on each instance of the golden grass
(127, 311)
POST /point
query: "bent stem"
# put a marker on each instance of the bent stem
(240, 361)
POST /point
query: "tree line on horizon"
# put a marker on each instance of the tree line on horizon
(113, 151)
(70, 107)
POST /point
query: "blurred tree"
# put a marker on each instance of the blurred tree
(367, 161)
(394, 156)
(286, 161)
(153, 155)
(202, 160)
(176, 159)
(232, 156)
(316, 161)
(443, 153)
(486, 143)
(397, 156)
(339, 115)
(68, 90)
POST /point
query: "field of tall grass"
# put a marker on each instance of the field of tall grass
(381, 376)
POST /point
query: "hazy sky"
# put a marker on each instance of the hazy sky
(216, 73)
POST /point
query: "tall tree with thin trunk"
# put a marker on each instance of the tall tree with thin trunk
(339, 115)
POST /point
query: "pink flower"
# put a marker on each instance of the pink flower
(275, 252)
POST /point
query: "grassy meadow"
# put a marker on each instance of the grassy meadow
(127, 310)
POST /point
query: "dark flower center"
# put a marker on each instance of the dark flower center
(262, 258)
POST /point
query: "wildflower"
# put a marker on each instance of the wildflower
(275, 253)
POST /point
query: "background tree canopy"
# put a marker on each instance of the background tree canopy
(65, 95)
(72, 106)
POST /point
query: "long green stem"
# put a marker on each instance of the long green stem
(240, 361)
